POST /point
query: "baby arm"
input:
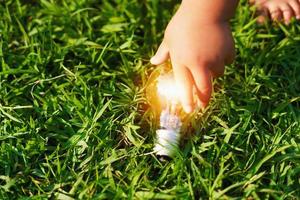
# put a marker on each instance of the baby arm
(198, 41)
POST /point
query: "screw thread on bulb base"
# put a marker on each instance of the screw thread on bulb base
(167, 142)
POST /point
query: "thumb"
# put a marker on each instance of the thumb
(162, 54)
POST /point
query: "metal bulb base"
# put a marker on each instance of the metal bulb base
(167, 142)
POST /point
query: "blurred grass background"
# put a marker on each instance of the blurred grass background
(75, 122)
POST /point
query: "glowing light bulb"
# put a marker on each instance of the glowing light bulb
(170, 123)
(166, 87)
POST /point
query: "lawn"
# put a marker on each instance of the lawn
(76, 123)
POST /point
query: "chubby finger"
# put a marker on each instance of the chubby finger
(287, 13)
(229, 58)
(276, 15)
(184, 83)
(217, 69)
(257, 2)
(261, 11)
(275, 11)
(202, 79)
(261, 19)
(162, 54)
(295, 4)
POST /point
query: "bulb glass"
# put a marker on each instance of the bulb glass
(170, 123)
(166, 87)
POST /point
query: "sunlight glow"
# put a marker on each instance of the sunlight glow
(167, 88)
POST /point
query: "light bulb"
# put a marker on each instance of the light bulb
(168, 135)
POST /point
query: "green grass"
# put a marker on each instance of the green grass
(75, 121)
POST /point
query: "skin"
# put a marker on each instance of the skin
(277, 10)
(199, 43)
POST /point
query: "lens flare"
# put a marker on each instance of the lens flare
(166, 87)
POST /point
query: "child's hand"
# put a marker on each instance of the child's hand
(278, 10)
(198, 49)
